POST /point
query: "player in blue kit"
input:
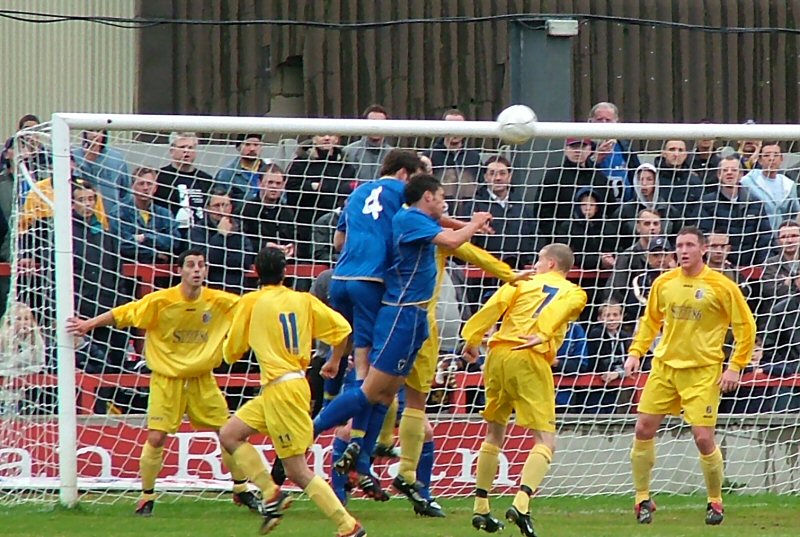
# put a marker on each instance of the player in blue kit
(401, 325)
(364, 234)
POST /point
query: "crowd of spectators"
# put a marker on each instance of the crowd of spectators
(619, 210)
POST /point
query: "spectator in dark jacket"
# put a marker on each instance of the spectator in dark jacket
(781, 268)
(229, 253)
(587, 233)
(457, 167)
(556, 194)
(608, 344)
(781, 356)
(660, 258)
(319, 180)
(268, 218)
(634, 259)
(514, 238)
(678, 184)
(705, 161)
(733, 210)
(647, 196)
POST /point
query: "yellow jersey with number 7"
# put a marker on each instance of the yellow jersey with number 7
(543, 306)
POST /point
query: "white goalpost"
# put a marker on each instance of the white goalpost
(72, 419)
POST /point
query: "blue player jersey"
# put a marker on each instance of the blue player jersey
(367, 222)
(412, 276)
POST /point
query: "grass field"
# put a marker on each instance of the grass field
(677, 516)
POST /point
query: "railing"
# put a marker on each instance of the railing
(88, 384)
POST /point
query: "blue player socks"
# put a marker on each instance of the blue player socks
(345, 406)
(338, 481)
(371, 433)
(425, 469)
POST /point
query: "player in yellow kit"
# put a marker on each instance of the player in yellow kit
(279, 324)
(185, 327)
(692, 306)
(517, 375)
(415, 432)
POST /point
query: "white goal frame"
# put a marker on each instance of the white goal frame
(64, 123)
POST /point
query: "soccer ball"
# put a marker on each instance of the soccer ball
(517, 124)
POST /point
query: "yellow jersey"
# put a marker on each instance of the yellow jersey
(542, 306)
(694, 314)
(279, 324)
(184, 337)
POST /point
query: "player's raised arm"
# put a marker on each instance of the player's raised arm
(482, 259)
(332, 328)
(451, 238)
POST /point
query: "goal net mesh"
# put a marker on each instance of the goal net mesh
(140, 198)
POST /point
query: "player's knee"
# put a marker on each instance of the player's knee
(704, 439)
(156, 438)
(645, 430)
(428, 431)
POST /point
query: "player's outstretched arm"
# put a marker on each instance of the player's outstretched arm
(453, 223)
(80, 327)
(452, 239)
(237, 341)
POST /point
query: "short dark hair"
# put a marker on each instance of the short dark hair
(141, 171)
(401, 159)
(418, 185)
(788, 223)
(375, 107)
(187, 253)
(26, 118)
(79, 183)
(219, 191)
(497, 158)
(242, 137)
(693, 230)
(454, 112)
(270, 266)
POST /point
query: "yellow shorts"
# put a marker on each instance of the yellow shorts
(519, 381)
(283, 412)
(171, 398)
(695, 390)
(424, 369)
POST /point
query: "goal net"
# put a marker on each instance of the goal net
(102, 206)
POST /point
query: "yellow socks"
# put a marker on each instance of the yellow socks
(643, 457)
(536, 466)
(237, 475)
(484, 476)
(323, 496)
(713, 470)
(150, 463)
(412, 436)
(248, 460)
(386, 436)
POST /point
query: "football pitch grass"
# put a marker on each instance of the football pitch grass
(762, 515)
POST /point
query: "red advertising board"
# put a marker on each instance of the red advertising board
(108, 457)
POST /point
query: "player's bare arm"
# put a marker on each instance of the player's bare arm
(729, 380)
(450, 238)
(80, 327)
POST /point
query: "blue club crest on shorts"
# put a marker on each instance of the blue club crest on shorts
(699, 294)
(206, 317)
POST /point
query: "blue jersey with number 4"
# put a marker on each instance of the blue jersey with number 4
(412, 277)
(367, 223)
